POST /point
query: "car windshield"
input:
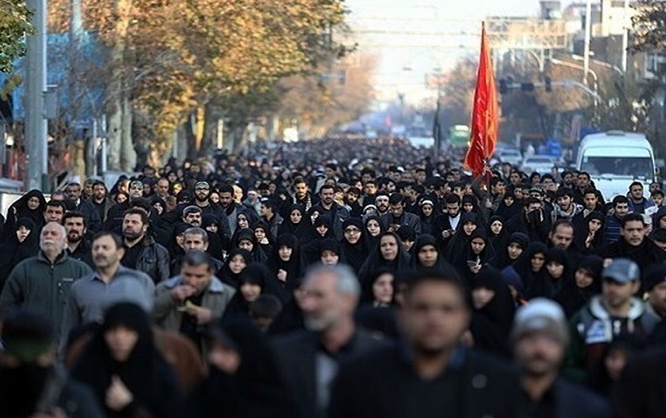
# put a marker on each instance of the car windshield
(638, 167)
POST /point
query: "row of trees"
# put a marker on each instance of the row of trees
(159, 69)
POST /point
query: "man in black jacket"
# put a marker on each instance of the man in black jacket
(428, 374)
(634, 243)
(309, 360)
(540, 338)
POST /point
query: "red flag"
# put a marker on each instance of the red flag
(485, 116)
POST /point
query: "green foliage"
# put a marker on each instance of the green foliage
(14, 27)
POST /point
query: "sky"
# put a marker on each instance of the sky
(400, 32)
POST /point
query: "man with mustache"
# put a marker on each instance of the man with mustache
(78, 246)
(540, 337)
(43, 282)
(87, 298)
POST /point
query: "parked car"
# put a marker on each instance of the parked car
(542, 164)
(509, 155)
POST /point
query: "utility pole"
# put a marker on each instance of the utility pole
(625, 38)
(588, 34)
(35, 120)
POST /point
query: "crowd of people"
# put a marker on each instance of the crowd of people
(335, 279)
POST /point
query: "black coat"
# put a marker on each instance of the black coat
(297, 354)
(642, 388)
(383, 384)
(575, 401)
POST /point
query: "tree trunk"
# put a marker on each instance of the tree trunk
(115, 92)
(211, 124)
(127, 153)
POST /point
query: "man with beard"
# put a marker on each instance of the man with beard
(100, 199)
(565, 207)
(87, 297)
(382, 203)
(328, 206)
(309, 360)
(77, 245)
(634, 243)
(43, 282)
(31, 385)
(540, 338)
(397, 217)
(114, 217)
(428, 373)
(302, 195)
(201, 194)
(141, 251)
(73, 192)
(229, 205)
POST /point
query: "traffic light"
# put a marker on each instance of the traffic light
(549, 84)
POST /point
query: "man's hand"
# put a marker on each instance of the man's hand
(203, 315)
(117, 395)
(182, 292)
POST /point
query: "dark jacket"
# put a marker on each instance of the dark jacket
(408, 219)
(296, 354)
(37, 283)
(383, 384)
(640, 392)
(83, 253)
(91, 214)
(573, 401)
(153, 260)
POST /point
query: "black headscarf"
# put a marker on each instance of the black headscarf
(571, 297)
(287, 226)
(293, 267)
(145, 373)
(20, 209)
(492, 323)
(376, 261)
(228, 276)
(354, 254)
(215, 241)
(255, 390)
(502, 259)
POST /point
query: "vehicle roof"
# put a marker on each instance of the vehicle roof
(615, 138)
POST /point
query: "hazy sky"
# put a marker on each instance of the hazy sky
(397, 31)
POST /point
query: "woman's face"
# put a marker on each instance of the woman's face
(214, 197)
(508, 201)
(352, 234)
(514, 250)
(427, 210)
(159, 208)
(468, 207)
(237, 264)
(121, 341)
(121, 198)
(242, 222)
(594, 225)
(556, 270)
(388, 247)
(583, 278)
(615, 362)
(481, 296)
(212, 228)
(496, 227)
(322, 229)
(260, 234)
(382, 289)
(295, 216)
(250, 291)
(373, 227)
(33, 203)
(478, 245)
(329, 258)
(314, 216)
(469, 227)
(246, 244)
(537, 261)
(428, 255)
(172, 177)
(285, 252)
(22, 233)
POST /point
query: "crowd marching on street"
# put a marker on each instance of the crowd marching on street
(345, 278)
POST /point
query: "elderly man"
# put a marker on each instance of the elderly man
(191, 300)
(44, 281)
(310, 359)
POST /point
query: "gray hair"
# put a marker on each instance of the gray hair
(346, 282)
(195, 230)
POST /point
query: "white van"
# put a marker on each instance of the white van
(615, 159)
